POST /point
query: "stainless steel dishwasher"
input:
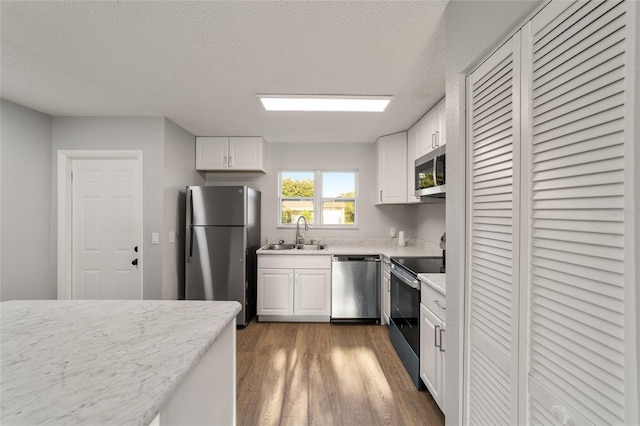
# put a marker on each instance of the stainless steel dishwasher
(355, 288)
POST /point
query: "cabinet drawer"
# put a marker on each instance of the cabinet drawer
(294, 261)
(545, 408)
(434, 300)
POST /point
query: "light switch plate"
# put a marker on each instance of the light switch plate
(172, 237)
(155, 238)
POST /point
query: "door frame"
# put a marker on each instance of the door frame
(65, 197)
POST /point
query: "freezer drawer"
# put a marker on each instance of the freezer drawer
(355, 288)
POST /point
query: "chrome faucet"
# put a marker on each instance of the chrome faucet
(300, 238)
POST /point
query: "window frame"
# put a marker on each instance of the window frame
(318, 200)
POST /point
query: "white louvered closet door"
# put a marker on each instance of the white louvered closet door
(575, 175)
(491, 356)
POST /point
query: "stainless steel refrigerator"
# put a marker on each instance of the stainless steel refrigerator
(222, 236)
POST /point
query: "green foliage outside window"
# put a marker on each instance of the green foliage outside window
(349, 212)
(297, 188)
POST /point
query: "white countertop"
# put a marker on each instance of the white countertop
(361, 247)
(100, 362)
(437, 281)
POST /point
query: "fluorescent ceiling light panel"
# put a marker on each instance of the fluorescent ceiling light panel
(324, 103)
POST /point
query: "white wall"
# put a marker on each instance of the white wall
(473, 28)
(430, 222)
(374, 221)
(179, 171)
(25, 182)
(146, 134)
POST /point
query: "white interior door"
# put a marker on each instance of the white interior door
(106, 229)
(492, 319)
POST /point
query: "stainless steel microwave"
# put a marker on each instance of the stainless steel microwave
(430, 176)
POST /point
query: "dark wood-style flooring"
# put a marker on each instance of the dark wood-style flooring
(325, 374)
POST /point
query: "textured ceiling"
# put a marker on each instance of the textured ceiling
(201, 64)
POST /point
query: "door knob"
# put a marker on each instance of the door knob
(135, 249)
(134, 262)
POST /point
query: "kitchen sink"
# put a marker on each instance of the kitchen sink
(311, 246)
(280, 247)
(295, 247)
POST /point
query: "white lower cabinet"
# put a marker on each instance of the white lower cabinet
(432, 354)
(312, 290)
(275, 291)
(294, 288)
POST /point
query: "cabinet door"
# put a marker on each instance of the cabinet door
(577, 174)
(212, 153)
(392, 169)
(441, 130)
(275, 291)
(246, 153)
(493, 252)
(312, 292)
(429, 125)
(430, 353)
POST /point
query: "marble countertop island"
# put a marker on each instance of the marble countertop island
(100, 362)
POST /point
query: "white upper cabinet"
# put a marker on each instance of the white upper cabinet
(431, 130)
(392, 169)
(212, 153)
(230, 153)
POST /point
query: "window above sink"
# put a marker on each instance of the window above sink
(326, 198)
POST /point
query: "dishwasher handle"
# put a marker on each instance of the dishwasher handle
(356, 258)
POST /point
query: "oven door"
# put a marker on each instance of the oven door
(405, 308)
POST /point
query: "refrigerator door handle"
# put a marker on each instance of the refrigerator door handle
(190, 243)
(189, 220)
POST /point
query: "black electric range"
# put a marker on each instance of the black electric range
(420, 265)
(404, 324)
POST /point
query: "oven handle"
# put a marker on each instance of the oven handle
(413, 284)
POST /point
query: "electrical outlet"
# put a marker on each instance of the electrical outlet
(392, 232)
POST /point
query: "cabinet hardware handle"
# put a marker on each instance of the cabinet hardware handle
(437, 138)
(435, 336)
(381, 195)
(433, 140)
(441, 331)
(439, 305)
(226, 163)
(230, 161)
